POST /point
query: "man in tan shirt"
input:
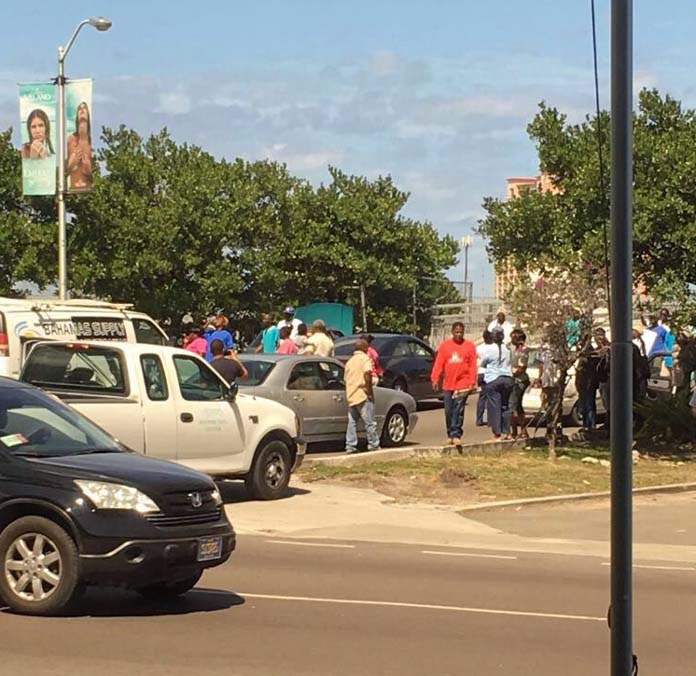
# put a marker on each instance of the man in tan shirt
(360, 397)
(319, 343)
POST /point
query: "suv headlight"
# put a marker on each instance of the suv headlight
(116, 496)
(217, 498)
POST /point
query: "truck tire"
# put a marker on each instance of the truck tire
(269, 476)
(40, 566)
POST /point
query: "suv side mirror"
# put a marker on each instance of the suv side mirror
(232, 393)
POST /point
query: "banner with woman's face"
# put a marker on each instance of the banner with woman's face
(37, 112)
(78, 132)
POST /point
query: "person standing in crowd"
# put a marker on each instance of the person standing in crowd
(482, 398)
(519, 359)
(603, 352)
(372, 353)
(573, 329)
(230, 368)
(319, 343)
(285, 344)
(290, 321)
(656, 334)
(498, 379)
(269, 335)
(587, 381)
(454, 372)
(360, 398)
(300, 339)
(221, 333)
(638, 340)
(195, 342)
(500, 322)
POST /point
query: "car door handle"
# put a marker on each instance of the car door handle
(298, 397)
(186, 417)
(337, 397)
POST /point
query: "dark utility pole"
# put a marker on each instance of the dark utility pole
(621, 408)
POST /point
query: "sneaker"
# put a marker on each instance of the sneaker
(456, 442)
(376, 448)
(350, 451)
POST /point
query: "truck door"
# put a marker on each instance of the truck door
(207, 424)
(160, 430)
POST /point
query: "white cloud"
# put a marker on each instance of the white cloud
(174, 103)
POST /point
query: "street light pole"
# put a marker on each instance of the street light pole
(621, 414)
(101, 24)
(466, 242)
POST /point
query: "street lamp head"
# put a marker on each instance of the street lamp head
(101, 23)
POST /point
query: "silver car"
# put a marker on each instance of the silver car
(314, 388)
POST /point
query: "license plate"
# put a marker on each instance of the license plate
(209, 549)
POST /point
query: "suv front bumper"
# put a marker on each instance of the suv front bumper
(141, 562)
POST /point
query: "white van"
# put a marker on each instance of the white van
(25, 320)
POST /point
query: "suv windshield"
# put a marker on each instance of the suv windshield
(33, 424)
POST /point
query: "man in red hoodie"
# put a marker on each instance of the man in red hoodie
(454, 371)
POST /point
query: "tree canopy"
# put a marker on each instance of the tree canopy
(173, 229)
(564, 230)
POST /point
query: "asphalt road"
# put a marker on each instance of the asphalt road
(430, 429)
(285, 607)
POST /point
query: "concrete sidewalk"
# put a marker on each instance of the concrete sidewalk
(330, 512)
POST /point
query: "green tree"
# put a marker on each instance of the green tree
(170, 228)
(565, 230)
(28, 231)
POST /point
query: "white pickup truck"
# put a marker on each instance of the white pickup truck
(169, 403)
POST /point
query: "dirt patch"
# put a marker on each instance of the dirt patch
(500, 475)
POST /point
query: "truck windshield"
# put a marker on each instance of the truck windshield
(76, 367)
(34, 424)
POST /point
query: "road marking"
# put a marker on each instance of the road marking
(641, 565)
(309, 544)
(475, 556)
(424, 606)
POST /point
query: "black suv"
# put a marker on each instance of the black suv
(77, 508)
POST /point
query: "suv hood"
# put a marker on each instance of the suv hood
(160, 476)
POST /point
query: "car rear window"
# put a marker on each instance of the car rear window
(76, 367)
(258, 371)
(346, 347)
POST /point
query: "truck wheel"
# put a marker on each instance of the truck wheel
(269, 477)
(395, 428)
(169, 590)
(40, 569)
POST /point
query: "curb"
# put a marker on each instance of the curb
(646, 490)
(390, 455)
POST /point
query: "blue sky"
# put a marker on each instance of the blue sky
(438, 94)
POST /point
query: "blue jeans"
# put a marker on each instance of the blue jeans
(587, 404)
(482, 400)
(366, 411)
(454, 414)
(498, 393)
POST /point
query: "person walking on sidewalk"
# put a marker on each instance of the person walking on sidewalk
(482, 398)
(360, 398)
(454, 371)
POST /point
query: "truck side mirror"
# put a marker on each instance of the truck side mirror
(232, 393)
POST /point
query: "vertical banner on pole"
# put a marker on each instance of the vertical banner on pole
(78, 130)
(37, 112)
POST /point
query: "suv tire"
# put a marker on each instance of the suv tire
(40, 566)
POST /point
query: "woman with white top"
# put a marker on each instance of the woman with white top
(498, 379)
